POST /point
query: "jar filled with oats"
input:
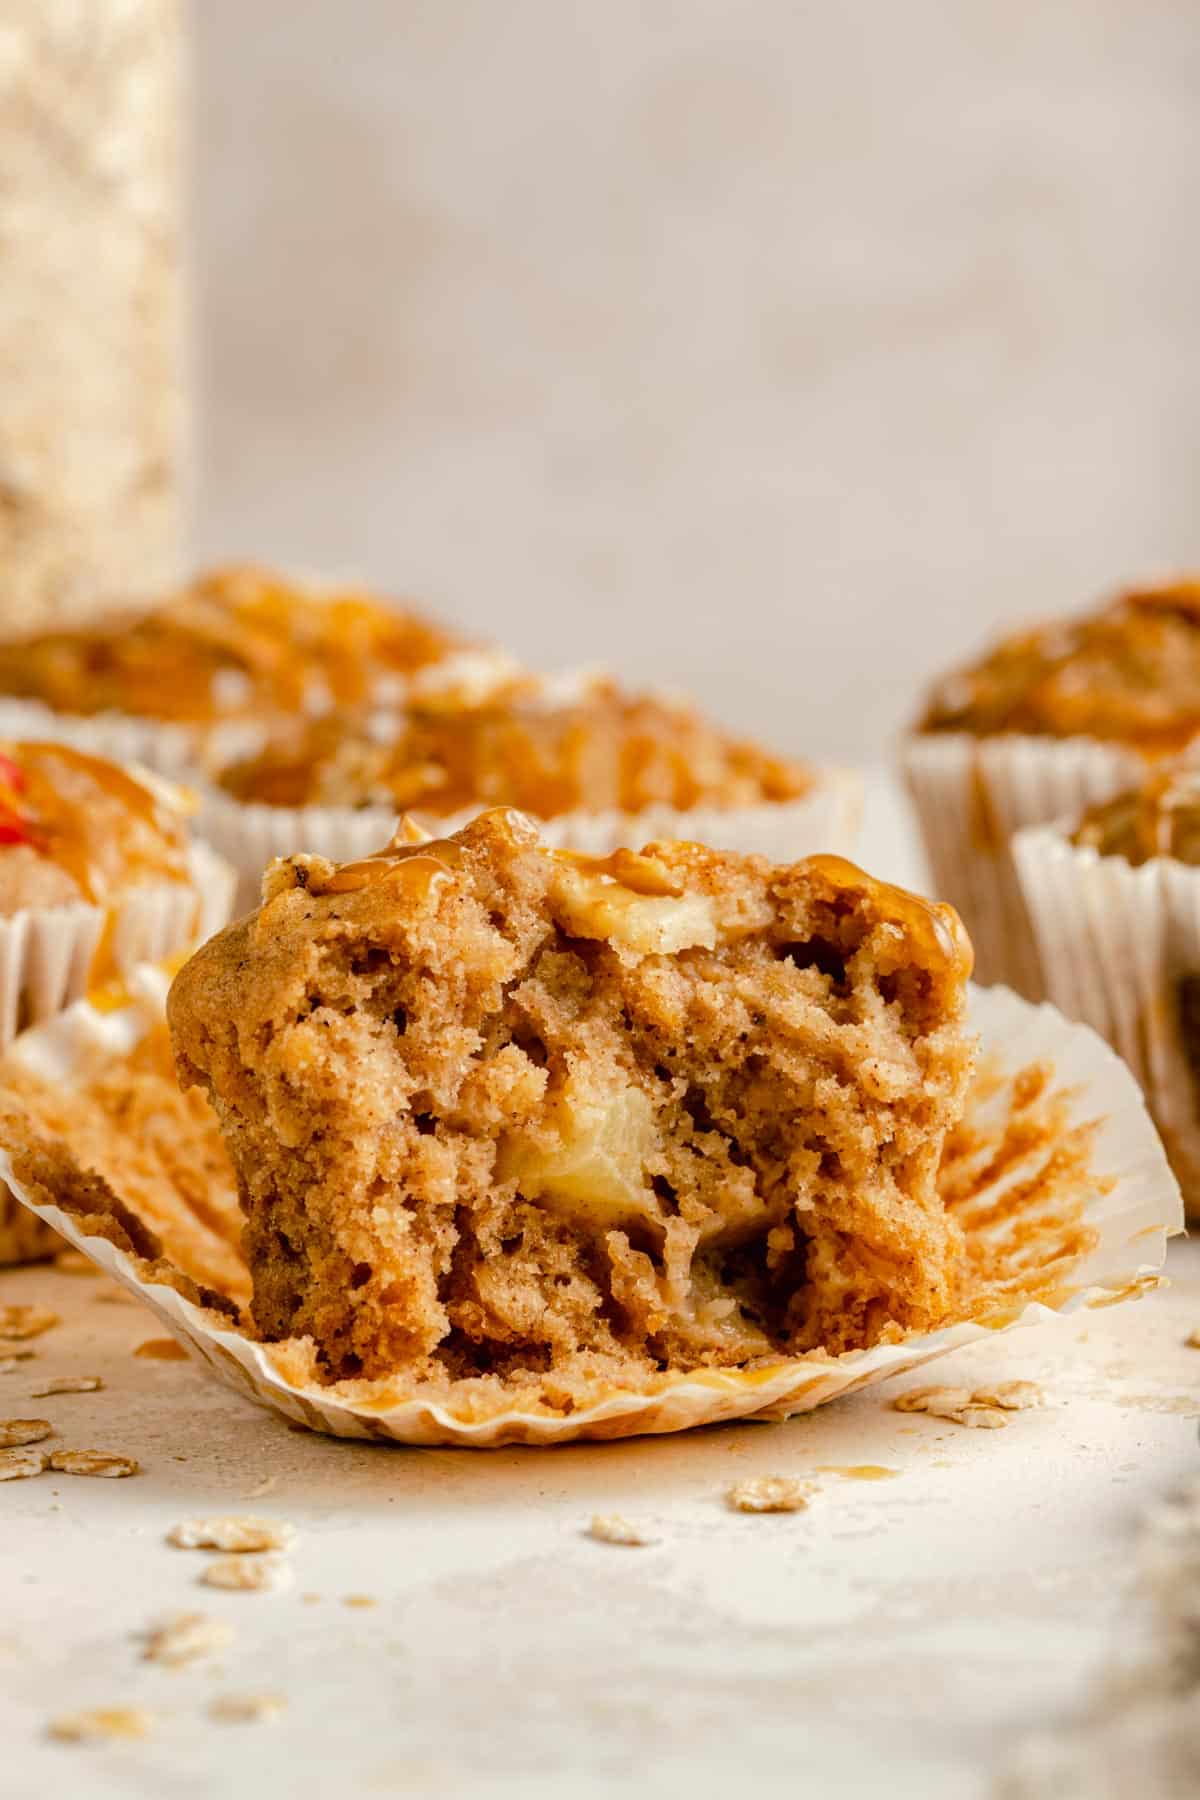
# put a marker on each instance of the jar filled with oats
(90, 384)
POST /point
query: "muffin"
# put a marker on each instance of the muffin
(599, 767)
(97, 873)
(1114, 900)
(237, 647)
(507, 1114)
(1048, 722)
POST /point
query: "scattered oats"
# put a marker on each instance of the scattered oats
(360, 1600)
(104, 1463)
(69, 1384)
(1192, 1340)
(981, 1408)
(1011, 1396)
(261, 1488)
(12, 1361)
(74, 1262)
(237, 1534)
(16, 1465)
(611, 1528)
(20, 1322)
(925, 1399)
(23, 1431)
(771, 1494)
(245, 1574)
(185, 1637)
(248, 1709)
(101, 1722)
(979, 1418)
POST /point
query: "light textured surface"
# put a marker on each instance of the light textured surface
(90, 349)
(896, 1637)
(778, 350)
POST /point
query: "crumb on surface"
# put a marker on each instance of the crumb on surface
(15, 1432)
(248, 1709)
(100, 1723)
(246, 1574)
(107, 1465)
(69, 1384)
(20, 1322)
(20, 1464)
(186, 1637)
(611, 1528)
(771, 1494)
(234, 1533)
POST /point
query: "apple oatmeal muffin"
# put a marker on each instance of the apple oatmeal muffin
(1049, 721)
(505, 1112)
(605, 751)
(240, 644)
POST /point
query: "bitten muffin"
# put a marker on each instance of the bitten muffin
(1048, 722)
(499, 1110)
(608, 751)
(238, 643)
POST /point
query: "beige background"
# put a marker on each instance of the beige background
(773, 349)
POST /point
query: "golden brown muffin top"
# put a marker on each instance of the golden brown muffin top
(608, 752)
(74, 827)
(1160, 817)
(237, 642)
(1129, 673)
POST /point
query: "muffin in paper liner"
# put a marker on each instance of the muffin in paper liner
(971, 795)
(1120, 945)
(1055, 1173)
(251, 836)
(49, 957)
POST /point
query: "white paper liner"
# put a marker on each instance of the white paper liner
(1131, 1201)
(47, 956)
(824, 819)
(971, 795)
(1115, 940)
(170, 749)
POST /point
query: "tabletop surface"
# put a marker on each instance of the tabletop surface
(450, 1628)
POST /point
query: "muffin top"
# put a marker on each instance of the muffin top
(1161, 817)
(237, 642)
(1129, 674)
(76, 828)
(607, 751)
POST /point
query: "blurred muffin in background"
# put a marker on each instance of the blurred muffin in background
(1043, 725)
(598, 766)
(232, 651)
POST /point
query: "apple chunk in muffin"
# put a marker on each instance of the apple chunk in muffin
(502, 1110)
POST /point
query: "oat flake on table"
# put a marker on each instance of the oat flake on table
(233, 1533)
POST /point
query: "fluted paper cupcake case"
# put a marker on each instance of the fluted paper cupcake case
(1116, 940)
(1079, 1217)
(971, 795)
(250, 836)
(47, 955)
(174, 750)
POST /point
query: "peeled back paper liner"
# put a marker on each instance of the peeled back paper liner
(1056, 1174)
(971, 795)
(51, 955)
(1121, 949)
(824, 819)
